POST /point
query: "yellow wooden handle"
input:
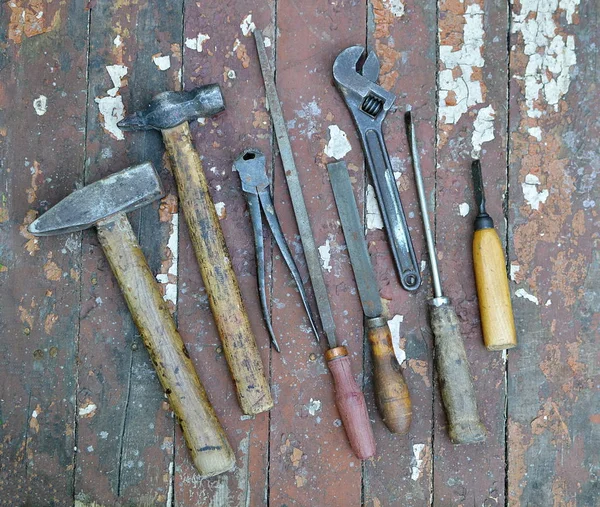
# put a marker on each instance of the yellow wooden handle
(203, 434)
(239, 344)
(495, 307)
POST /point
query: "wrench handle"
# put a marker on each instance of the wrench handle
(231, 318)
(392, 212)
(351, 404)
(204, 436)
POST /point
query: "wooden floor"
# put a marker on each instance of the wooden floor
(82, 416)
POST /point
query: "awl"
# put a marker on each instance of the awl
(349, 398)
(391, 392)
(495, 307)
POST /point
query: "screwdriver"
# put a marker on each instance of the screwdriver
(458, 394)
(497, 322)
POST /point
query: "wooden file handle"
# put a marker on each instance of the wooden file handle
(391, 392)
(239, 344)
(495, 307)
(351, 404)
(202, 431)
(454, 377)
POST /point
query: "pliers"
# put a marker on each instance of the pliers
(250, 165)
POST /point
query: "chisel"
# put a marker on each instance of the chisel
(349, 398)
(391, 393)
(495, 307)
(458, 394)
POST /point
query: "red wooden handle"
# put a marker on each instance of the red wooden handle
(351, 404)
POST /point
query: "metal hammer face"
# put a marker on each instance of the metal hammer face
(169, 109)
(121, 192)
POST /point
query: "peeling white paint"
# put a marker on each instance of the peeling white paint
(197, 42)
(531, 193)
(112, 111)
(247, 25)
(267, 42)
(338, 145)
(535, 132)
(417, 462)
(483, 129)
(117, 41)
(162, 62)
(313, 406)
(104, 435)
(394, 325)
(88, 409)
(40, 105)
(464, 209)
(34, 414)
(220, 209)
(551, 55)
(548, 303)
(522, 293)
(467, 91)
(116, 73)
(374, 220)
(170, 491)
(396, 7)
(423, 266)
(171, 274)
(514, 269)
(325, 253)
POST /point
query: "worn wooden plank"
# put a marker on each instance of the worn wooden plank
(227, 57)
(553, 396)
(405, 40)
(125, 428)
(471, 122)
(42, 85)
(310, 459)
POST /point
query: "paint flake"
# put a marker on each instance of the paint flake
(116, 73)
(314, 406)
(394, 325)
(220, 209)
(88, 410)
(247, 25)
(464, 209)
(374, 219)
(514, 269)
(325, 253)
(483, 129)
(118, 41)
(196, 44)
(530, 191)
(535, 132)
(162, 62)
(40, 105)
(396, 7)
(522, 293)
(338, 145)
(417, 462)
(458, 90)
(112, 111)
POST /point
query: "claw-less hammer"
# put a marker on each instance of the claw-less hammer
(103, 204)
(170, 113)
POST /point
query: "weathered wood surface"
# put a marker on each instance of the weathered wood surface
(82, 416)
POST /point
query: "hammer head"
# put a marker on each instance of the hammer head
(169, 109)
(121, 192)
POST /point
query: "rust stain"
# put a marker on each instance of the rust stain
(569, 272)
(241, 54)
(27, 19)
(74, 274)
(300, 481)
(37, 179)
(49, 322)
(25, 316)
(32, 242)
(578, 223)
(383, 18)
(517, 471)
(52, 271)
(550, 419)
(420, 367)
(261, 120)
(168, 207)
(34, 424)
(388, 57)
(595, 418)
(296, 457)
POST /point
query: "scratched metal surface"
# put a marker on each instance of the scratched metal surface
(82, 417)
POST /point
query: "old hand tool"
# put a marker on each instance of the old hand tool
(349, 398)
(391, 392)
(454, 377)
(170, 113)
(104, 204)
(250, 165)
(369, 103)
(495, 307)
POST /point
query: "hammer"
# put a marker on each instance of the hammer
(104, 204)
(170, 113)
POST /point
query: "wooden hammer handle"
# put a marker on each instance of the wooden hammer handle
(458, 394)
(351, 404)
(391, 392)
(202, 431)
(239, 344)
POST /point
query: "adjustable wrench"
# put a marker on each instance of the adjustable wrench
(369, 103)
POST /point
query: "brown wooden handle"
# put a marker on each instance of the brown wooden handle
(351, 404)
(202, 431)
(239, 344)
(391, 392)
(495, 307)
(454, 377)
